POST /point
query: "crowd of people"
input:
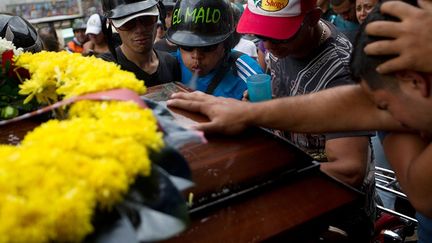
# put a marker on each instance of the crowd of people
(354, 67)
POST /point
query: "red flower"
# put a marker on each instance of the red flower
(7, 59)
(12, 71)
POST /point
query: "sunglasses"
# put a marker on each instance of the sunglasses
(143, 20)
(200, 49)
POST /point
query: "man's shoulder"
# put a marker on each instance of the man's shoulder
(165, 56)
(337, 46)
(344, 28)
(162, 45)
(118, 57)
(337, 36)
(169, 67)
(339, 50)
(167, 60)
(107, 56)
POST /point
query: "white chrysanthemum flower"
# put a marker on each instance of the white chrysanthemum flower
(6, 45)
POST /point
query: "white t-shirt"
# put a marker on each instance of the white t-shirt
(247, 47)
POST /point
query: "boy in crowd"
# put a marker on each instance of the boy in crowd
(136, 22)
(76, 45)
(207, 62)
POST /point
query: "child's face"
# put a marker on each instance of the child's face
(80, 35)
(406, 105)
(202, 60)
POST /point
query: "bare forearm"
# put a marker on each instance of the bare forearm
(344, 108)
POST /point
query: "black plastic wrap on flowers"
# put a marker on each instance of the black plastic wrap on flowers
(153, 210)
(175, 165)
(174, 135)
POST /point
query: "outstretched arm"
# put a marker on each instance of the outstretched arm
(344, 108)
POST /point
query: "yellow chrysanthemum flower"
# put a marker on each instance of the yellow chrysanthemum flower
(55, 75)
(53, 181)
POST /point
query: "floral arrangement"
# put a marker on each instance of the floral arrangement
(55, 76)
(10, 100)
(65, 172)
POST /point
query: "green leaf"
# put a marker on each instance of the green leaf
(8, 112)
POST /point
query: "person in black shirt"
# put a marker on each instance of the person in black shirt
(163, 44)
(135, 22)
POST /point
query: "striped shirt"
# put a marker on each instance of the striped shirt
(327, 67)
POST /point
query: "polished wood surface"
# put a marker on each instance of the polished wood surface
(250, 187)
(284, 209)
(228, 162)
(244, 160)
(13, 133)
(254, 186)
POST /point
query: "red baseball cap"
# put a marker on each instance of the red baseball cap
(277, 19)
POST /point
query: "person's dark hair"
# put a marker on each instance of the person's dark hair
(49, 38)
(364, 66)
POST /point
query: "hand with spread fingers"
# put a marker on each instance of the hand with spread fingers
(411, 37)
(226, 115)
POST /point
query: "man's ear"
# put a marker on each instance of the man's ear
(417, 81)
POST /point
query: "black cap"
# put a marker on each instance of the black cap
(117, 9)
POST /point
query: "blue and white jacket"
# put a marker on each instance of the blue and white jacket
(233, 83)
